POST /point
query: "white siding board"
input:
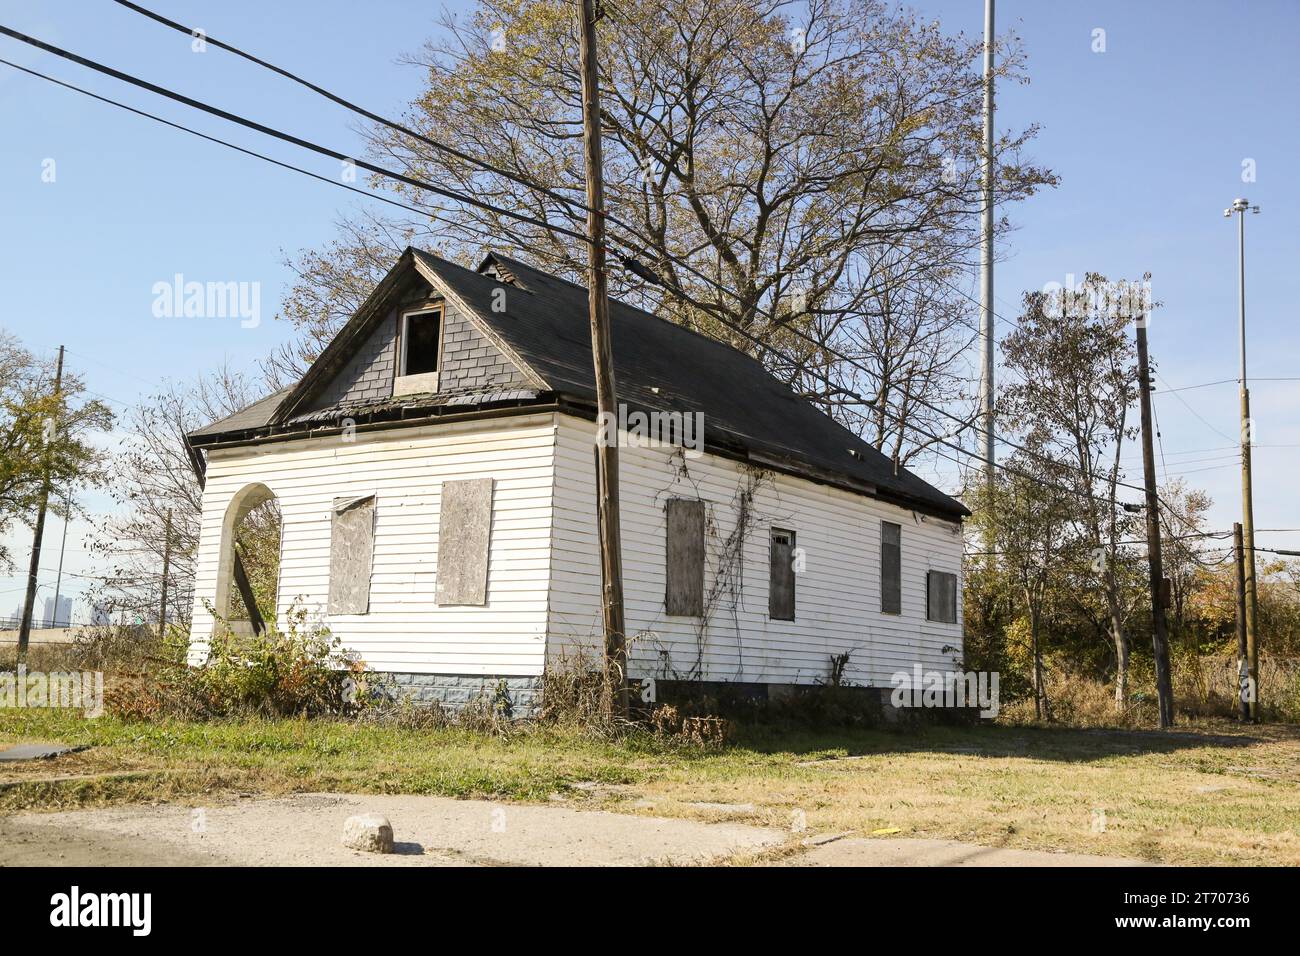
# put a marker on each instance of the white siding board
(405, 630)
(837, 596)
(544, 573)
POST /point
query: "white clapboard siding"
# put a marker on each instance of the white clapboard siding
(405, 630)
(837, 596)
(544, 571)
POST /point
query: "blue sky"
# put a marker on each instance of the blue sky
(1148, 138)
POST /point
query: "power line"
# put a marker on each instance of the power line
(181, 28)
(460, 197)
(359, 110)
(277, 134)
(237, 148)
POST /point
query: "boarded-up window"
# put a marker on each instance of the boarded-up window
(464, 526)
(352, 547)
(941, 597)
(684, 557)
(891, 567)
(780, 589)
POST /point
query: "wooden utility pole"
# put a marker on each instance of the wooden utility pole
(167, 560)
(1159, 632)
(34, 568)
(1239, 208)
(611, 554)
(1243, 660)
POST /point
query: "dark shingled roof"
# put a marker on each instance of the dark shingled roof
(251, 417)
(658, 365)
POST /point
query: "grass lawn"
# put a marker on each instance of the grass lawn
(1209, 794)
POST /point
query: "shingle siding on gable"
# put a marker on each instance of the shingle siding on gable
(469, 361)
(368, 376)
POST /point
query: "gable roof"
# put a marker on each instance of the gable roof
(658, 365)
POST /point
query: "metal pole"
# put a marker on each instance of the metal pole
(986, 257)
(1240, 207)
(33, 571)
(1159, 632)
(603, 356)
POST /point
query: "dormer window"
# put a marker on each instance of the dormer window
(420, 345)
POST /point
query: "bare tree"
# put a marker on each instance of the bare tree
(792, 171)
(156, 476)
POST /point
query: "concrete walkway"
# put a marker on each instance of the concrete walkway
(909, 852)
(305, 830)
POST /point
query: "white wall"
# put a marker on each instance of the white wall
(405, 631)
(837, 596)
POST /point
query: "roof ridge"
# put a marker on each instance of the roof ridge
(625, 304)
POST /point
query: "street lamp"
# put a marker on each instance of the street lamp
(1239, 207)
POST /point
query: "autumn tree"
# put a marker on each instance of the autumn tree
(807, 174)
(45, 439)
(155, 478)
(1072, 382)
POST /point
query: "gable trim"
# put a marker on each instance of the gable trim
(482, 326)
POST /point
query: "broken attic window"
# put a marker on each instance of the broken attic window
(420, 342)
(352, 545)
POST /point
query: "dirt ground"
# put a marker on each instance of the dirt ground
(305, 830)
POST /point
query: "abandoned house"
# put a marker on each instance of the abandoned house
(434, 473)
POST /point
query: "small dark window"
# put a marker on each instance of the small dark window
(780, 590)
(420, 343)
(891, 568)
(684, 554)
(941, 597)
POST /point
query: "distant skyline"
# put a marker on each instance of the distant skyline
(1151, 139)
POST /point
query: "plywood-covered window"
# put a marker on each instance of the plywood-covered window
(891, 567)
(941, 597)
(780, 589)
(352, 548)
(684, 558)
(464, 532)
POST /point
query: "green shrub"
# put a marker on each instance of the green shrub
(300, 670)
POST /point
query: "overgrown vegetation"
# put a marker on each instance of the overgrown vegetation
(1056, 592)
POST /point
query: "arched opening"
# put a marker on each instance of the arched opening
(250, 560)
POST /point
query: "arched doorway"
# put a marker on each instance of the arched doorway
(250, 531)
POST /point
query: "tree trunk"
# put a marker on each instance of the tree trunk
(1120, 638)
(1038, 666)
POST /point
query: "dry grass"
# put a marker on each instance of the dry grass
(1213, 794)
